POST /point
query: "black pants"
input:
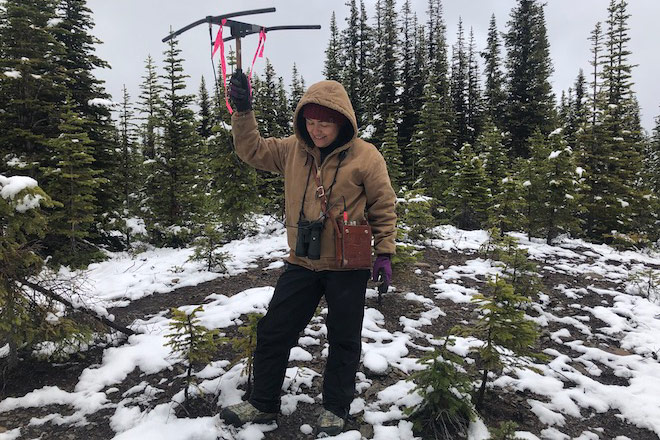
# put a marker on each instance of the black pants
(294, 301)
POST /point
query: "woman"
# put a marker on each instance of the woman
(352, 180)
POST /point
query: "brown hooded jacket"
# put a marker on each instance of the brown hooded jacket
(362, 184)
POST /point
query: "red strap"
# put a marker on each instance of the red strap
(259, 53)
(220, 44)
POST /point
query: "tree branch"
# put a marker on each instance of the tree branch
(50, 294)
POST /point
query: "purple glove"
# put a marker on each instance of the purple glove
(382, 270)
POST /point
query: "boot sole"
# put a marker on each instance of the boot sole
(232, 418)
(330, 431)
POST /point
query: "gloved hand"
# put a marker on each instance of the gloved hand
(239, 91)
(382, 271)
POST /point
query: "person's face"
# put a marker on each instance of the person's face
(322, 133)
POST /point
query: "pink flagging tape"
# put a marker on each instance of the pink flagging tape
(259, 53)
(220, 44)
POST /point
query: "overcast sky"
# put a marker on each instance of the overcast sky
(130, 30)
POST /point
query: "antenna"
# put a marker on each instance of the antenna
(238, 29)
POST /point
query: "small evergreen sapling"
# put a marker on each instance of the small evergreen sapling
(245, 344)
(506, 334)
(518, 270)
(191, 342)
(505, 431)
(444, 385)
(646, 283)
(414, 211)
(206, 248)
(471, 196)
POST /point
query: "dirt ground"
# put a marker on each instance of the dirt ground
(500, 406)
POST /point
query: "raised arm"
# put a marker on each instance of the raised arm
(267, 154)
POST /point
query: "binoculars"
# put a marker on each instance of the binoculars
(308, 243)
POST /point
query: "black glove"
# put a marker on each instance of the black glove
(239, 91)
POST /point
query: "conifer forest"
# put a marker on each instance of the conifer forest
(477, 144)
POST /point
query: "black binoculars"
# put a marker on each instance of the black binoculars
(308, 243)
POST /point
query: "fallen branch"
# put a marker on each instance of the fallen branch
(50, 294)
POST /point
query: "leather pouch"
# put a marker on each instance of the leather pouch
(353, 245)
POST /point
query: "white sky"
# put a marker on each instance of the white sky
(130, 30)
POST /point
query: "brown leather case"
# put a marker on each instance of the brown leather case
(353, 245)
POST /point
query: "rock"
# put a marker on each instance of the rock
(3, 429)
(372, 391)
(367, 431)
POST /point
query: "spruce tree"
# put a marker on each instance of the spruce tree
(651, 179)
(459, 89)
(297, 89)
(350, 39)
(205, 114)
(474, 100)
(469, 196)
(284, 115)
(22, 316)
(611, 147)
(652, 159)
(73, 181)
(501, 325)
(386, 72)
(193, 343)
(412, 85)
(494, 94)
(431, 146)
(333, 55)
(366, 81)
(74, 31)
(493, 153)
(392, 154)
(576, 112)
(149, 103)
(556, 189)
(176, 190)
(438, 66)
(412, 100)
(507, 211)
(530, 101)
(129, 166)
(31, 85)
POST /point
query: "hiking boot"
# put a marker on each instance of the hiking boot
(330, 423)
(244, 412)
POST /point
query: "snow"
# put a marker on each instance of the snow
(554, 154)
(566, 386)
(10, 187)
(15, 74)
(102, 102)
